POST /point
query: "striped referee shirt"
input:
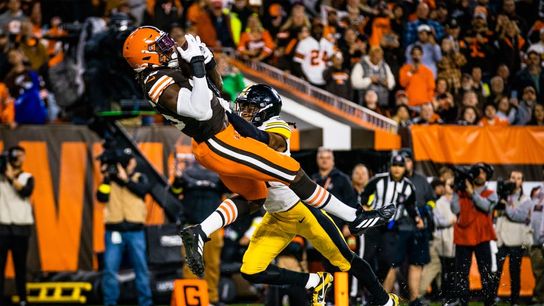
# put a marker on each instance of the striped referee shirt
(383, 190)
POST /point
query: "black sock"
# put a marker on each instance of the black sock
(362, 270)
(273, 275)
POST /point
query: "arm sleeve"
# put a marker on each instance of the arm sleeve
(103, 191)
(410, 204)
(485, 204)
(430, 85)
(437, 53)
(196, 103)
(404, 77)
(243, 41)
(268, 44)
(26, 191)
(300, 53)
(370, 188)
(521, 212)
(455, 206)
(390, 78)
(247, 129)
(442, 220)
(140, 187)
(358, 80)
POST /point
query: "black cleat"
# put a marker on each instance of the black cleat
(193, 240)
(373, 218)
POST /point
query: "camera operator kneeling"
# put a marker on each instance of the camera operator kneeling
(123, 192)
(474, 231)
(513, 230)
(16, 219)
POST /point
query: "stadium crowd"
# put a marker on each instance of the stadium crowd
(428, 62)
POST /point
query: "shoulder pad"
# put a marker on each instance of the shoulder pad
(277, 126)
(156, 82)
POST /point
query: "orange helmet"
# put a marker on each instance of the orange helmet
(148, 47)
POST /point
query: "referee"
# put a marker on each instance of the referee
(392, 187)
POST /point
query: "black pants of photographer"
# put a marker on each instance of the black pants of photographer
(448, 278)
(18, 244)
(463, 260)
(276, 294)
(515, 254)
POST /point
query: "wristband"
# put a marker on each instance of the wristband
(197, 63)
(211, 64)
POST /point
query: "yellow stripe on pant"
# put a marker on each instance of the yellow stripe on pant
(278, 229)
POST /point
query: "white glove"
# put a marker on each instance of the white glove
(208, 55)
(193, 48)
(225, 104)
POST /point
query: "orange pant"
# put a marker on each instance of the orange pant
(244, 164)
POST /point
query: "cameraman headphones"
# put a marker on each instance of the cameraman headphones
(488, 169)
(12, 153)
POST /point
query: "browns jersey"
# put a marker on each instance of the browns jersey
(155, 82)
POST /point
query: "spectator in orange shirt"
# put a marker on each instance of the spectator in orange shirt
(199, 17)
(255, 43)
(54, 45)
(417, 79)
(491, 117)
(381, 25)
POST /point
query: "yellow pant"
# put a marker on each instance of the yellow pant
(212, 270)
(278, 229)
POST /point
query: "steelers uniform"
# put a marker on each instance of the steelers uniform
(287, 217)
(243, 164)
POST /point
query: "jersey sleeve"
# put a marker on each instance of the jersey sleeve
(300, 52)
(278, 126)
(156, 83)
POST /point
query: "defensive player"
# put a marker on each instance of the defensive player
(243, 163)
(287, 217)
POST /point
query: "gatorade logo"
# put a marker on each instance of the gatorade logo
(190, 292)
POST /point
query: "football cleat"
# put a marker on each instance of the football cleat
(193, 240)
(367, 219)
(320, 291)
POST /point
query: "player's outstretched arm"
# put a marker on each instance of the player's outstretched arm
(247, 129)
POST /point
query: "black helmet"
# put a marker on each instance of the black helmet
(265, 99)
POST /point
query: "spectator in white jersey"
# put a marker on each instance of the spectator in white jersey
(312, 55)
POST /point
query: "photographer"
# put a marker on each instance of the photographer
(474, 231)
(123, 191)
(16, 218)
(201, 191)
(513, 231)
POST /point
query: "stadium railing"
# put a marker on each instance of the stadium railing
(371, 118)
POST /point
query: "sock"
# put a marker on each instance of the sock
(225, 214)
(316, 196)
(323, 199)
(273, 275)
(362, 270)
(313, 281)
